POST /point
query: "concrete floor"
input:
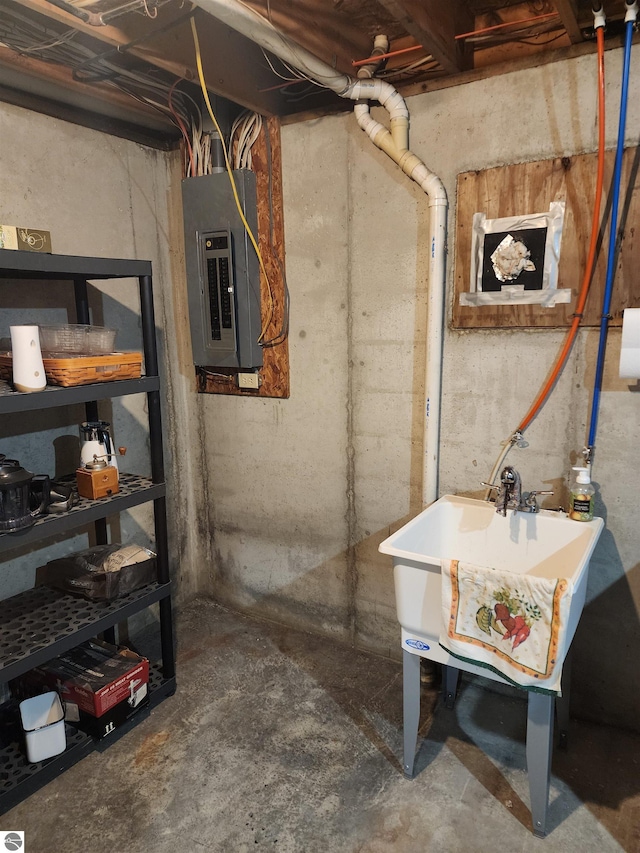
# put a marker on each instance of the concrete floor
(284, 741)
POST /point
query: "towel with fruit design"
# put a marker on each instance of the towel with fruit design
(510, 623)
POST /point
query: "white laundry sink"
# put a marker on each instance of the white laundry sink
(545, 544)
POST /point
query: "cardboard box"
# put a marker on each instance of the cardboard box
(101, 727)
(25, 239)
(96, 676)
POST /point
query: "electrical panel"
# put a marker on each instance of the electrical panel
(223, 274)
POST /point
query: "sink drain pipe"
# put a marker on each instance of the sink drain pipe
(395, 143)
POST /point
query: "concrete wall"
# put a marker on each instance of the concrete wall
(103, 196)
(278, 507)
(302, 491)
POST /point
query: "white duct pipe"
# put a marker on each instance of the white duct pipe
(395, 143)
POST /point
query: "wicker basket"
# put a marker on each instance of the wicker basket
(83, 370)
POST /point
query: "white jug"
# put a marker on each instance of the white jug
(28, 369)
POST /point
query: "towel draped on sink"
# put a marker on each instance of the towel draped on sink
(510, 623)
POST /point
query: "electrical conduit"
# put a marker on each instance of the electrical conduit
(630, 19)
(395, 143)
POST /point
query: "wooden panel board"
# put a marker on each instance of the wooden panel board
(274, 373)
(530, 188)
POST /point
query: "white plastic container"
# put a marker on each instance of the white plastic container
(43, 724)
(28, 369)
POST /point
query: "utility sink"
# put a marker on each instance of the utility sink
(545, 544)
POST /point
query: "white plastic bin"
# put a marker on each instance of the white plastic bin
(43, 724)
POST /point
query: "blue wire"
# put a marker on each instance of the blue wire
(613, 234)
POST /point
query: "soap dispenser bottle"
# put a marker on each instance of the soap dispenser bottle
(582, 493)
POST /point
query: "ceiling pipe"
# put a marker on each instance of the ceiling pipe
(395, 143)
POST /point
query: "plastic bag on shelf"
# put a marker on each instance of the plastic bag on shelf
(104, 572)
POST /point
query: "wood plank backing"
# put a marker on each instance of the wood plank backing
(529, 188)
(274, 373)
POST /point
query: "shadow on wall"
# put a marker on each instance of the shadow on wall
(605, 685)
(349, 596)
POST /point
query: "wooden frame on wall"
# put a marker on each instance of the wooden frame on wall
(526, 188)
(274, 374)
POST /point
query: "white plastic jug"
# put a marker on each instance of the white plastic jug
(28, 369)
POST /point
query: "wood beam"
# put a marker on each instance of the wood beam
(569, 17)
(434, 25)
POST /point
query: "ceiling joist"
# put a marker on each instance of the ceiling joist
(434, 25)
(569, 17)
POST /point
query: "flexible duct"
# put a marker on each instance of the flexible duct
(394, 143)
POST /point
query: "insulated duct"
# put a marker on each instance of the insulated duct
(395, 143)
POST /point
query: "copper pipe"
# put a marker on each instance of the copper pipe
(507, 24)
(358, 62)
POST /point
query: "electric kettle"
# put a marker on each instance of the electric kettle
(96, 440)
(23, 496)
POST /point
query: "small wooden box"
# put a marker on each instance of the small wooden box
(101, 483)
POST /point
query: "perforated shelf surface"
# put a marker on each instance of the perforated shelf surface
(41, 623)
(19, 778)
(134, 490)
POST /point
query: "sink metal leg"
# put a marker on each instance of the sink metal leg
(562, 703)
(410, 708)
(539, 748)
(451, 675)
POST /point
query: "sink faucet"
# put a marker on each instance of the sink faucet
(510, 493)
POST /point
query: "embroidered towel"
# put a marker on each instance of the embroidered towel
(510, 623)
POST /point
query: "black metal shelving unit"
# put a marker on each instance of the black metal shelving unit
(41, 623)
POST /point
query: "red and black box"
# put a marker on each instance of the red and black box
(96, 677)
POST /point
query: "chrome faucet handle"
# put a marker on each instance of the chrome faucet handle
(530, 502)
(509, 476)
(490, 485)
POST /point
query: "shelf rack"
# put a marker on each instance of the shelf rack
(39, 624)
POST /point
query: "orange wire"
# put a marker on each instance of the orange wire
(595, 230)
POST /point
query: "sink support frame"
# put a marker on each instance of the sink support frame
(540, 725)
